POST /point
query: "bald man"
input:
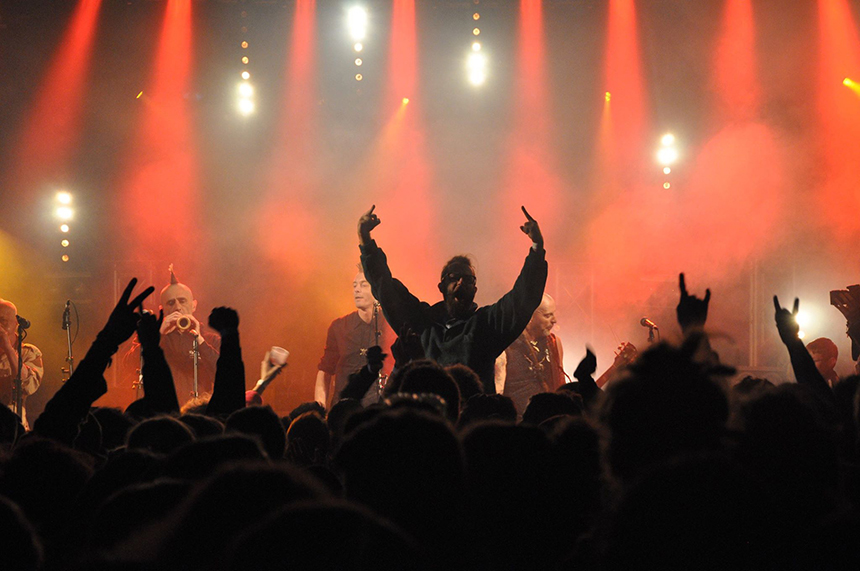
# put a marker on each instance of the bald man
(31, 362)
(177, 302)
(533, 363)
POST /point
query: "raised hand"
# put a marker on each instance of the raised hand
(366, 223)
(375, 358)
(587, 366)
(531, 229)
(692, 311)
(149, 329)
(123, 319)
(786, 321)
(224, 320)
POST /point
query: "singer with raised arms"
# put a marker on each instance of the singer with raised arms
(31, 368)
(456, 330)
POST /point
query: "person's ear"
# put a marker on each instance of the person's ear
(441, 287)
(193, 305)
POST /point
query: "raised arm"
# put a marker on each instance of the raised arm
(400, 307)
(159, 393)
(228, 394)
(508, 317)
(68, 408)
(801, 361)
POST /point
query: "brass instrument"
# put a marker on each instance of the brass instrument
(184, 323)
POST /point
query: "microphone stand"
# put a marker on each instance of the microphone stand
(195, 353)
(381, 379)
(67, 326)
(651, 338)
(19, 384)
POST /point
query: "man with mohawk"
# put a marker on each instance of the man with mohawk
(178, 332)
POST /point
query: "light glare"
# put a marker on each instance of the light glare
(358, 46)
(246, 107)
(667, 170)
(357, 22)
(667, 156)
(476, 46)
(64, 197)
(64, 243)
(668, 140)
(64, 228)
(246, 90)
(64, 213)
(477, 66)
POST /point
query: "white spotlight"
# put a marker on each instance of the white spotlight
(477, 67)
(357, 22)
(64, 197)
(667, 155)
(668, 140)
(246, 107)
(246, 90)
(64, 213)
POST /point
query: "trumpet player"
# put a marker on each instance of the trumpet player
(178, 332)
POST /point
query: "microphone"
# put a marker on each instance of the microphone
(22, 323)
(645, 322)
(67, 322)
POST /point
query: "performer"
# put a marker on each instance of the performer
(456, 330)
(533, 363)
(31, 360)
(347, 342)
(177, 342)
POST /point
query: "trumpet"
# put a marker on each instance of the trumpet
(184, 323)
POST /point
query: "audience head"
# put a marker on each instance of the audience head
(162, 434)
(260, 422)
(430, 378)
(547, 405)
(467, 381)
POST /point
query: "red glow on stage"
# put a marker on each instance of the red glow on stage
(529, 177)
(401, 160)
(53, 126)
(735, 63)
(292, 165)
(159, 199)
(839, 116)
(625, 82)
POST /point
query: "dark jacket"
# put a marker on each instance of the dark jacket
(475, 341)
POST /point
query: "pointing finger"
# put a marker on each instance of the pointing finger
(707, 295)
(526, 212)
(776, 305)
(683, 284)
(796, 306)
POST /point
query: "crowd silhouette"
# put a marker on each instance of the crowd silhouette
(670, 466)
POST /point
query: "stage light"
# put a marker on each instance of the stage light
(246, 75)
(64, 197)
(667, 155)
(64, 228)
(667, 186)
(65, 258)
(139, 95)
(358, 61)
(802, 318)
(245, 60)
(64, 213)
(667, 170)
(668, 140)
(246, 90)
(476, 16)
(801, 334)
(476, 46)
(244, 45)
(477, 66)
(357, 22)
(358, 46)
(246, 107)
(64, 243)
(358, 77)
(405, 100)
(476, 32)
(848, 82)
(607, 97)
